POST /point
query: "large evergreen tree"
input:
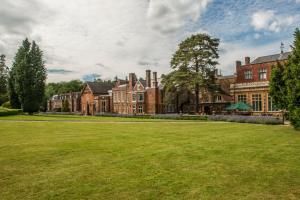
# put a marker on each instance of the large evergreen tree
(278, 89)
(28, 76)
(196, 57)
(3, 80)
(292, 81)
(285, 83)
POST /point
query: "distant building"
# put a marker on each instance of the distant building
(216, 97)
(96, 98)
(252, 83)
(55, 104)
(138, 96)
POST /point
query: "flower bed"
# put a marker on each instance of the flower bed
(159, 116)
(247, 119)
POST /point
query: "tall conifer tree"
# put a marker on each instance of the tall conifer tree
(28, 77)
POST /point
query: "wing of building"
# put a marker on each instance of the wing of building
(138, 96)
(252, 83)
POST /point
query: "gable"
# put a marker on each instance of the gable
(139, 86)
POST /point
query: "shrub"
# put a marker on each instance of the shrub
(6, 105)
(3, 98)
(7, 112)
(246, 119)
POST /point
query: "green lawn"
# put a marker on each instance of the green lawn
(146, 160)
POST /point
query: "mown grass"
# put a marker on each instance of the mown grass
(183, 160)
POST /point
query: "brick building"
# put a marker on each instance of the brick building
(55, 104)
(138, 96)
(216, 97)
(96, 98)
(252, 83)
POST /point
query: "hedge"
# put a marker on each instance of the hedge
(7, 112)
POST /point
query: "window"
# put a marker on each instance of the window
(141, 97)
(134, 108)
(140, 109)
(133, 97)
(262, 73)
(119, 96)
(256, 102)
(242, 98)
(115, 97)
(271, 106)
(103, 106)
(248, 74)
(219, 98)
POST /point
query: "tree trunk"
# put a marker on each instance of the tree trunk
(197, 88)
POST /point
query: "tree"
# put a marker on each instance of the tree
(278, 89)
(29, 76)
(292, 81)
(3, 80)
(285, 83)
(195, 59)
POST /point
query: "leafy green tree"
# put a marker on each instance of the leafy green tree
(63, 87)
(285, 83)
(278, 89)
(3, 80)
(195, 60)
(29, 76)
(292, 81)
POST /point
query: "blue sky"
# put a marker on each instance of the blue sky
(105, 38)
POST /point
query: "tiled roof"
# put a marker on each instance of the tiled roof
(271, 58)
(100, 87)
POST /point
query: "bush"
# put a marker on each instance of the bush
(7, 112)
(3, 98)
(6, 105)
(246, 119)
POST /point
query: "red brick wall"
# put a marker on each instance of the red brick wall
(255, 72)
(87, 97)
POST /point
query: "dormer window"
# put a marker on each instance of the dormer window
(262, 74)
(248, 74)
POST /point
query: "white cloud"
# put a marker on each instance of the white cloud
(268, 20)
(168, 16)
(121, 35)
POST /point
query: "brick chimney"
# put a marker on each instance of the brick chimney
(148, 78)
(238, 64)
(247, 60)
(132, 80)
(155, 83)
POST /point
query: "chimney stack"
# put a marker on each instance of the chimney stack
(148, 78)
(238, 64)
(247, 60)
(155, 83)
(132, 80)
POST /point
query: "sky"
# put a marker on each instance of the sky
(87, 39)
